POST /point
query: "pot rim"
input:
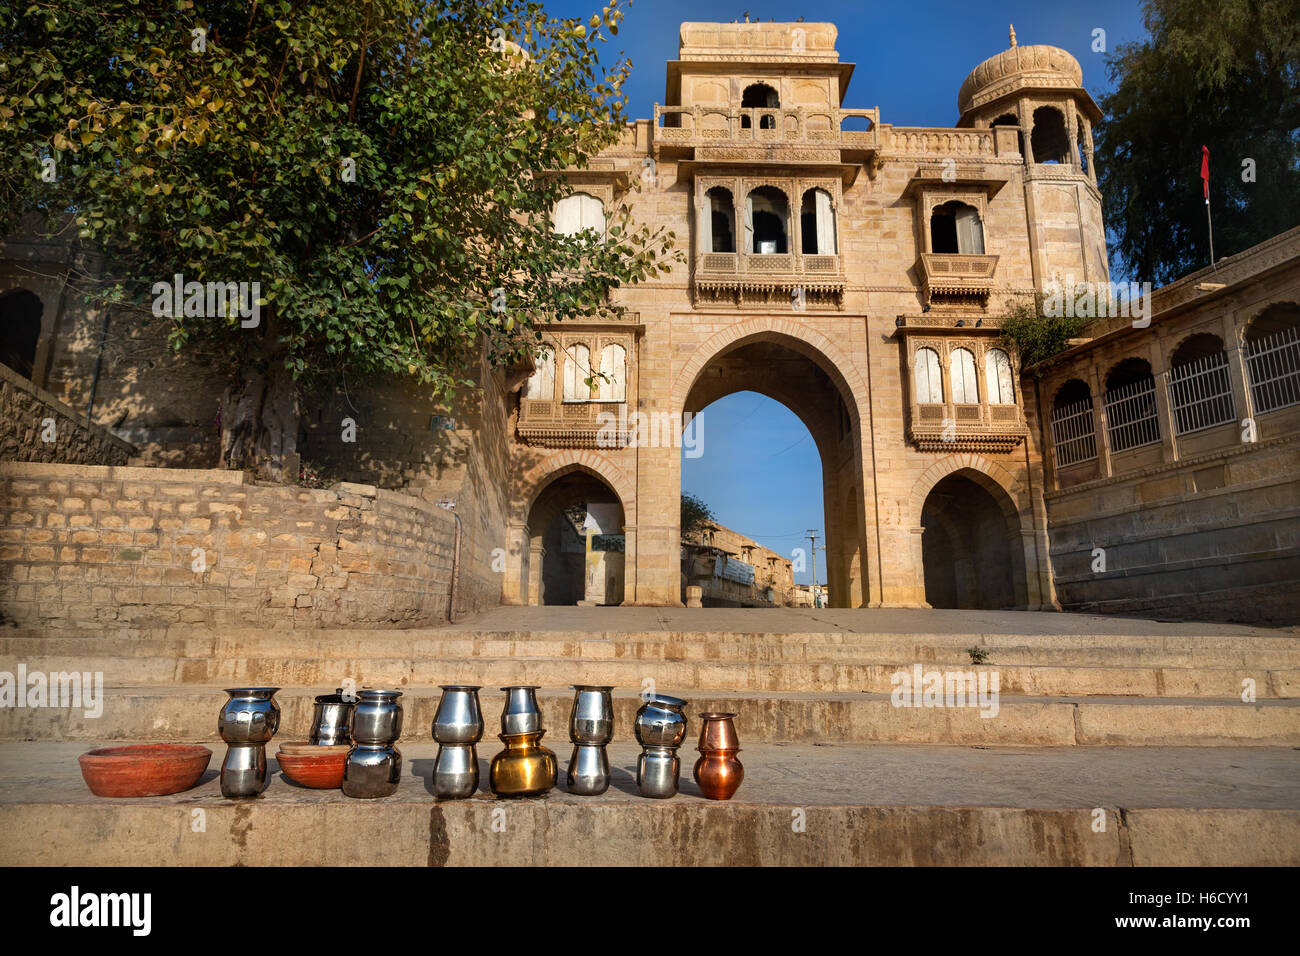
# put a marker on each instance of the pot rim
(521, 687)
(250, 691)
(507, 738)
(159, 751)
(460, 686)
(667, 700)
(715, 715)
(600, 687)
(378, 694)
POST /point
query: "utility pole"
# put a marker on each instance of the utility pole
(812, 552)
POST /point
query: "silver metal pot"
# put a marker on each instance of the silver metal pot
(457, 726)
(331, 721)
(374, 766)
(455, 772)
(247, 722)
(592, 718)
(657, 770)
(588, 770)
(521, 714)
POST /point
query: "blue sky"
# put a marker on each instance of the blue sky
(760, 471)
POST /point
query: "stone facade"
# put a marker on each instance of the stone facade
(86, 547)
(773, 577)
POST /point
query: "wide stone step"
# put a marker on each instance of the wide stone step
(189, 714)
(1031, 680)
(818, 648)
(799, 805)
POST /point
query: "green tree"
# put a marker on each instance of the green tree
(1219, 73)
(385, 169)
(696, 516)
(1033, 333)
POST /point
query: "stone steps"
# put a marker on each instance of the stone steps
(799, 805)
(188, 713)
(1047, 650)
(835, 676)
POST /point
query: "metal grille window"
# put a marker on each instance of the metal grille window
(1131, 419)
(1273, 363)
(1073, 433)
(1201, 394)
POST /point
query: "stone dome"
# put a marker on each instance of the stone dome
(1020, 67)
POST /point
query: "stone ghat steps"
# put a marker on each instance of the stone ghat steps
(187, 713)
(1049, 650)
(799, 676)
(799, 805)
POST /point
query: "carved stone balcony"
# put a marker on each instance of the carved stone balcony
(979, 428)
(800, 136)
(781, 279)
(956, 279)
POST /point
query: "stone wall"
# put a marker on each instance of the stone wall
(25, 425)
(117, 547)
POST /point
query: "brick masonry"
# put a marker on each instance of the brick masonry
(29, 414)
(116, 547)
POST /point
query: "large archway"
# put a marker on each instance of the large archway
(798, 375)
(575, 527)
(971, 545)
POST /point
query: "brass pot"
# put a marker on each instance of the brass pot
(525, 768)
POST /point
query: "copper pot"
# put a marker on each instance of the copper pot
(525, 768)
(718, 733)
(719, 774)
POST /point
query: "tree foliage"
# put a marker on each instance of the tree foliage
(1034, 334)
(696, 516)
(1219, 73)
(383, 168)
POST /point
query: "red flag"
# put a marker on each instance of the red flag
(1205, 170)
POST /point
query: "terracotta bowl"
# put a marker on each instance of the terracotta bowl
(146, 770)
(318, 771)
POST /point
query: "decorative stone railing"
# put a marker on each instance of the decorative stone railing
(789, 279)
(694, 126)
(938, 141)
(957, 277)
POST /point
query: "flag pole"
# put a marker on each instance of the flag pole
(1209, 220)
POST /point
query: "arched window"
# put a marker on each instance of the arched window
(1011, 119)
(577, 369)
(759, 96)
(997, 378)
(767, 218)
(573, 214)
(955, 227)
(1131, 419)
(965, 389)
(1081, 141)
(20, 330)
(1049, 140)
(929, 382)
(1073, 434)
(612, 385)
(541, 384)
(1200, 388)
(1273, 357)
(719, 221)
(817, 218)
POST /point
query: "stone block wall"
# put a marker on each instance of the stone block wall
(25, 411)
(118, 548)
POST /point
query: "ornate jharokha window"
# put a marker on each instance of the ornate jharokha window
(771, 242)
(581, 373)
(578, 212)
(951, 408)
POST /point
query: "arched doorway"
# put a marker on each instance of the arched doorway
(970, 545)
(20, 331)
(799, 376)
(576, 531)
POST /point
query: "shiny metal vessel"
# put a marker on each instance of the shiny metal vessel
(657, 772)
(331, 722)
(525, 768)
(374, 766)
(247, 722)
(521, 715)
(660, 728)
(457, 727)
(588, 770)
(591, 727)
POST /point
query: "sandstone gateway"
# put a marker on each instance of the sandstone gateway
(853, 269)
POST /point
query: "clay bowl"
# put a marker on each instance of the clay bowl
(145, 770)
(301, 747)
(317, 771)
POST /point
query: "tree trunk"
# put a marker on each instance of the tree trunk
(259, 422)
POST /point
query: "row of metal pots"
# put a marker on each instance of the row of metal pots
(372, 722)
